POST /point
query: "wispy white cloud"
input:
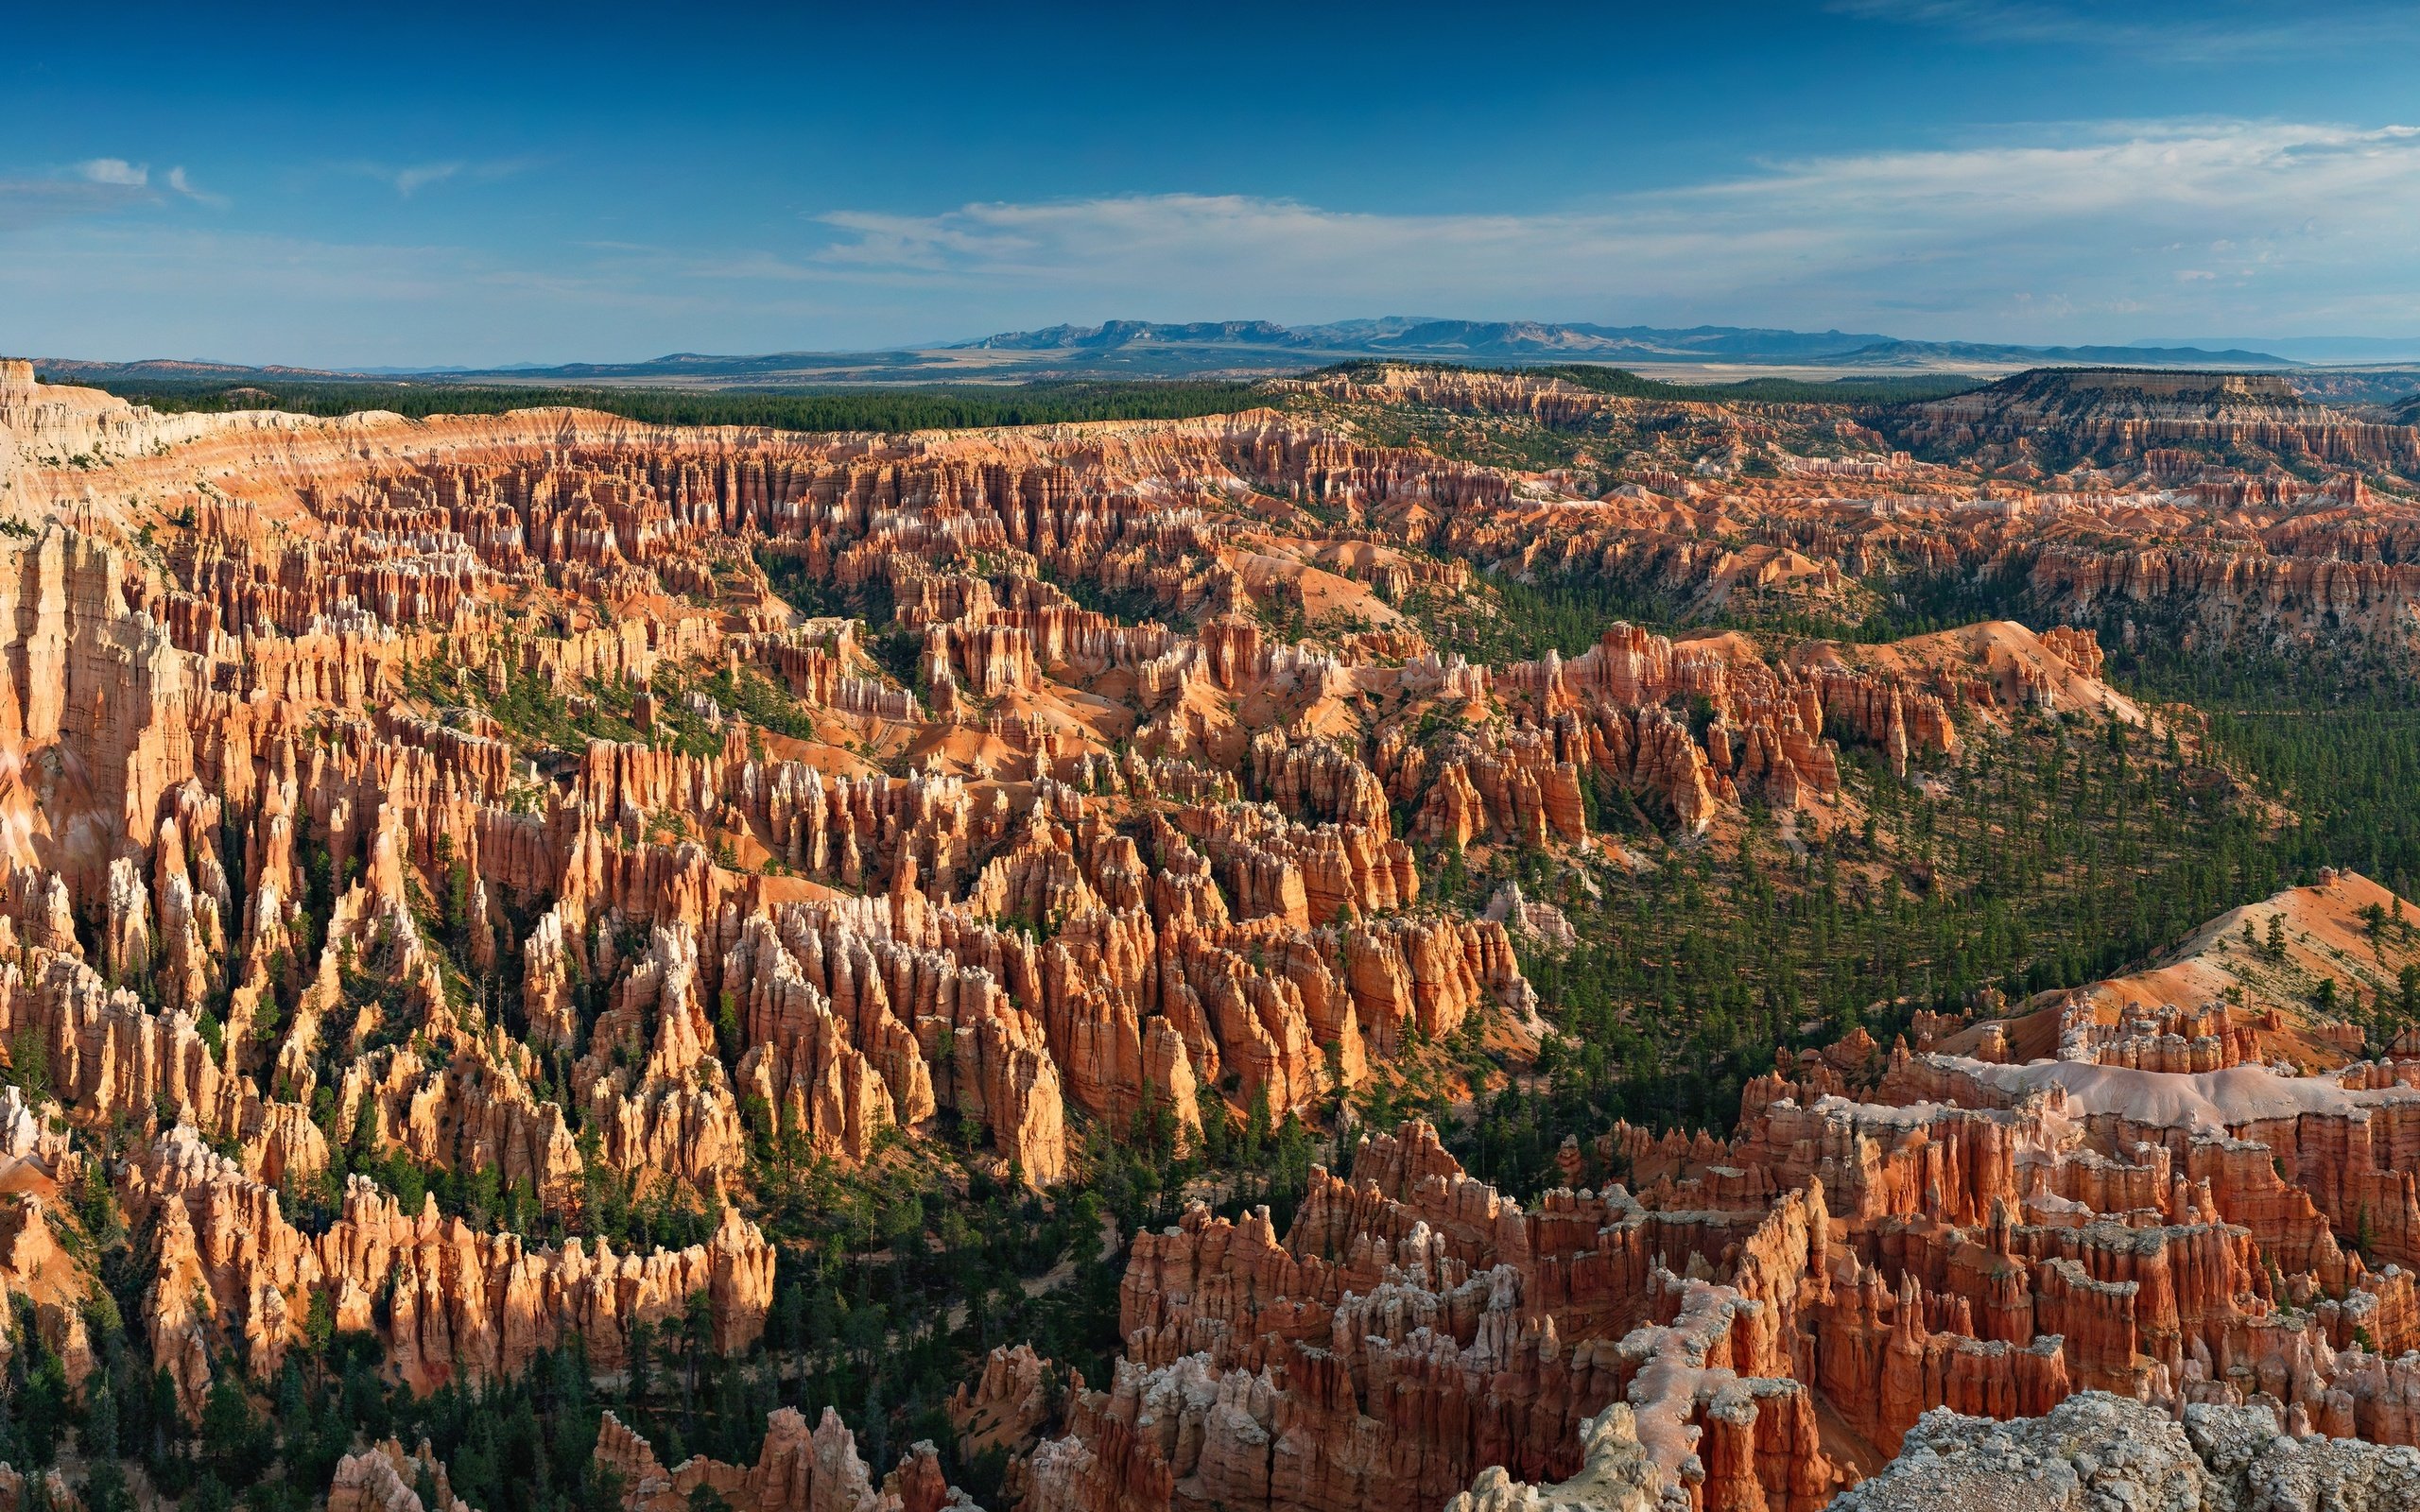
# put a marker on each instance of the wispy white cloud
(410, 178)
(2066, 224)
(410, 181)
(97, 186)
(2089, 232)
(183, 183)
(115, 172)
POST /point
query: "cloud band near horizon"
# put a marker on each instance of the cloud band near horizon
(2092, 231)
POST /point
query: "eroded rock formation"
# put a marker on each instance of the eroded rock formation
(814, 1469)
(586, 811)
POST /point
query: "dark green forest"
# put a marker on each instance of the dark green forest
(954, 407)
(936, 407)
(2066, 852)
(2052, 857)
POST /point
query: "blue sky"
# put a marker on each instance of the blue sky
(432, 184)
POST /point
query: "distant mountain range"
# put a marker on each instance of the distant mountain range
(2333, 350)
(1536, 341)
(1145, 349)
(1416, 336)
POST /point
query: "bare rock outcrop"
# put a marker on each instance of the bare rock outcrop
(815, 1469)
(383, 1478)
(2099, 1450)
(459, 1305)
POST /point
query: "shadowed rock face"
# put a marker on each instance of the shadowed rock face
(554, 800)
